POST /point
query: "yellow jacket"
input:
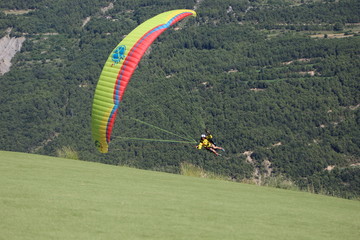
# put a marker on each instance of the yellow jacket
(204, 143)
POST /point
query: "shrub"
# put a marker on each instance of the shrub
(280, 182)
(67, 152)
(188, 169)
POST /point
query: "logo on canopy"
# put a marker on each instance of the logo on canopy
(118, 54)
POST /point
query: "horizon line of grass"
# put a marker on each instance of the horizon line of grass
(278, 181)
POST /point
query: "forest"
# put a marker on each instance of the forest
(275, 81)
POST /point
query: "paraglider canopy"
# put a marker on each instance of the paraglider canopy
(119, 68)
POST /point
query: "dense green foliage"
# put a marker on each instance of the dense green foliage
(244, 69)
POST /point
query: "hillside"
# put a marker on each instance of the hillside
(45, 198)
(276, 81)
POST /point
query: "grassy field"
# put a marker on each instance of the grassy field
(53, 198)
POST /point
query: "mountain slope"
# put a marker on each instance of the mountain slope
(276, 81)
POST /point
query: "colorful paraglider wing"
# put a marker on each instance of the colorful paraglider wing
(118, 70)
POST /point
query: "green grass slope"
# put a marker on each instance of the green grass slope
(52, 198)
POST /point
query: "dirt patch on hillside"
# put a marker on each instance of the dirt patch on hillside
(310, 73)
(9, 46)
(18, 12)
(257, 89)
(85, 21)
(354, 107)
(331, 35)
(261, 172)
(297, 60)
(109, 7)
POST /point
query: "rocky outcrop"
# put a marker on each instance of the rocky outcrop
(9, 46)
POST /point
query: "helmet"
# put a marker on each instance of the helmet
(203, 135)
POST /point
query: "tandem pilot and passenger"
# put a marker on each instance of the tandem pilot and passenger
(206, 141)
